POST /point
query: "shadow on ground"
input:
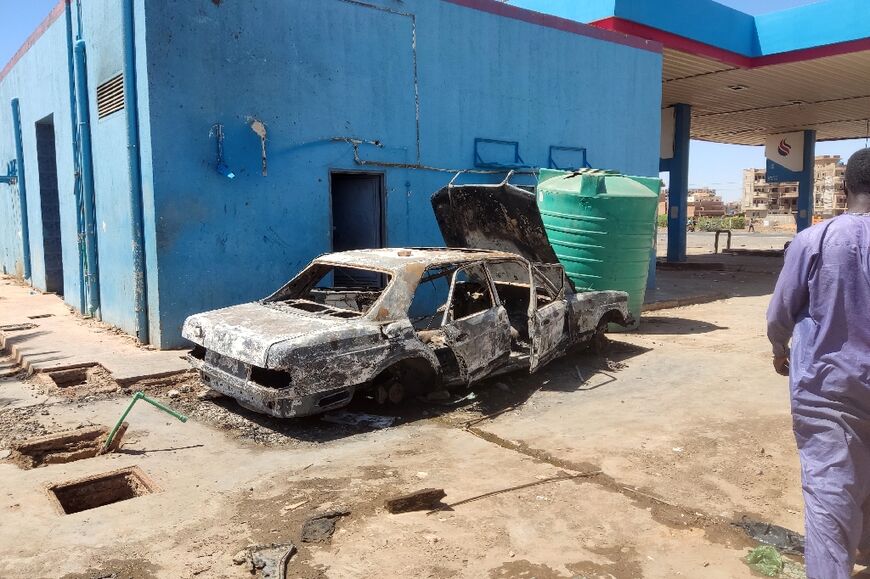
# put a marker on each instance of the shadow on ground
(661, 325)
(579, 370)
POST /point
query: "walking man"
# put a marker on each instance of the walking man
(822, 304)
(751, 225)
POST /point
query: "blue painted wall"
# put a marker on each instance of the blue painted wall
(39, 81)
(312, 71)
(103, 37)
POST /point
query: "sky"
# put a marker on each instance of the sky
(711, 164)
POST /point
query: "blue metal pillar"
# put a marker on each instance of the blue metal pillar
(87, 168)
(678, 188)
(77, 178)
(22, 189)
(806, 183)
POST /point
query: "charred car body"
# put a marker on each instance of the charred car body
(404, 321)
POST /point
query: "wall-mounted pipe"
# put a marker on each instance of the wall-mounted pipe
(22, 188)
(92, 275)
(137, 219)
(77, 176)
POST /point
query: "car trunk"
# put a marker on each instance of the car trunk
(246, 332)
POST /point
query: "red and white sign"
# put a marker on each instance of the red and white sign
(786, 150)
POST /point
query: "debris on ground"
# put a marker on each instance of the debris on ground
(765, 560)
(424, 500)
(270, 560)
(768, 534)
(359, 419)
(441, 400)
(320, 528)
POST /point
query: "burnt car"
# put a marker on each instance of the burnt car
(399, 322)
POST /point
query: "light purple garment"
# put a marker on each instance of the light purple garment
(822, 303)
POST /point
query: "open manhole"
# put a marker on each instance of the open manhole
(101, 490)
(62, 447)
(91, 375)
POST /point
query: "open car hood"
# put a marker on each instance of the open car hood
(499, 217)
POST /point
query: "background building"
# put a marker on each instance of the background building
(761, 199)
(178, 156)
(703, 202)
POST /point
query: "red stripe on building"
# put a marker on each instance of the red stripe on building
(690, 46)
(34, 36)
(563, 24)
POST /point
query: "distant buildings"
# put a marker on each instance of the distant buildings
(762, 199)
(702, 202)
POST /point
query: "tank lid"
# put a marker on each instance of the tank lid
(594, 182)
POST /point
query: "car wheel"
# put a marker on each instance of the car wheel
(600, 343)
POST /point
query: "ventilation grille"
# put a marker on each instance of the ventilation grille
(110, 96)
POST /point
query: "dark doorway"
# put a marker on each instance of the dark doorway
(357, 219)
(46, 159)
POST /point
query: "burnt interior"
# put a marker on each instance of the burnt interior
(434, 306)
(338, 292)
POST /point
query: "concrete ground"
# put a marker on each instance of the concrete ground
(58, 339)
(682, 429)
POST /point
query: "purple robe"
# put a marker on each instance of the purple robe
(822, 303)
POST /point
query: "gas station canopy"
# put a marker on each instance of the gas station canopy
(746, 77)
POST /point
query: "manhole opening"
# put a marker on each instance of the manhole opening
(87, 374)
(63, 447)
(101, 490)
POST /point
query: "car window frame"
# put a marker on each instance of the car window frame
(493, 295)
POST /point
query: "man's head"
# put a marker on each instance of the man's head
(858, 175)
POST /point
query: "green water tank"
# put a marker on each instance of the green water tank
(602, 226)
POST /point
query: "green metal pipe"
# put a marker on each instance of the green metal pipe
(136, 397)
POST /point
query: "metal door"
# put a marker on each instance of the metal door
(547, 321)
(480, 341)
(357, 220)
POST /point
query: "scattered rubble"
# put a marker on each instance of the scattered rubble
(424, 500)
(270, 560)
(785, 540)
(319, 529)
(359, 419)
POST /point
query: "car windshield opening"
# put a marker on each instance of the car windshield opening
(340, 292)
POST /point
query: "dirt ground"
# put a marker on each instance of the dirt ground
(657, 448)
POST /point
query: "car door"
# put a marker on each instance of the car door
(475, 326)
(547, 323)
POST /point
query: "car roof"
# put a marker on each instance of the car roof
(399, 258)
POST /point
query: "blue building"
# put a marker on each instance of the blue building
(167, 157)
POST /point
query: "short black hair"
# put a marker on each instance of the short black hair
(858, 172)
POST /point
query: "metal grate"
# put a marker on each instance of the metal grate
(110, 96)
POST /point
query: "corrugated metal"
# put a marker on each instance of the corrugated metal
(679, 65)
(110, 96)
(831, 95)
